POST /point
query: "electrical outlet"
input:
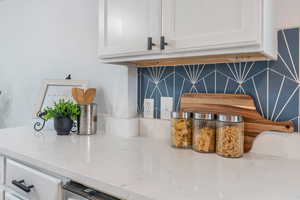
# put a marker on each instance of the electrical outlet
(148, 108)
(166, 107)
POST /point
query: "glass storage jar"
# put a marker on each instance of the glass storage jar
(181, 130)
(204, 132)
(230, 136)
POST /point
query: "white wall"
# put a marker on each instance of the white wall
(48, 39)
(287, 13)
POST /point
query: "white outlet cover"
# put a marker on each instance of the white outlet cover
(166, 107)
(148, 108)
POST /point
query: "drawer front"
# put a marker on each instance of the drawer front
(45, 187)
(9, 196)
(1, 170)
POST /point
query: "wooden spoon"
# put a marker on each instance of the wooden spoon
(78, 95)
(75, 94)
(89, 95)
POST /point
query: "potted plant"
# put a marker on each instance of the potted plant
(64, 114)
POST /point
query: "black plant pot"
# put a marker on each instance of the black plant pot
(63, 125)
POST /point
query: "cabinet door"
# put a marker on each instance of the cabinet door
(124, 27)
(43, 186)
(211, 24)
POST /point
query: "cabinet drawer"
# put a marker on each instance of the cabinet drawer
(9, 196)
(19, 177)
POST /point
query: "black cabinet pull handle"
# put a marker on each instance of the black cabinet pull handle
(21, 184)
(163, 43)
(150, 43)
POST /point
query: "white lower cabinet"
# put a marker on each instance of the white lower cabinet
(31, 183)
(9, 196)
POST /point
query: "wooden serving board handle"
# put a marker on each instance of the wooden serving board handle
(254, 127)
(235, 104)
(258, 126)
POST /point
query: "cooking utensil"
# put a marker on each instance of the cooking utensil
(89, 95)
(84, 97)
(78, 95)
(235, 104)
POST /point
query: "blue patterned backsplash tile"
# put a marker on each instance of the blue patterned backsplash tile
(273, 84)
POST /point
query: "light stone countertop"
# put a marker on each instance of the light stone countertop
(148, 169)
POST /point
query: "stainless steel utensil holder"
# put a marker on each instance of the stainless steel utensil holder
(88, 119)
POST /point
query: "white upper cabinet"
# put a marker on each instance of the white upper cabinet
(189, 28)
(126, 25)
(209, 24)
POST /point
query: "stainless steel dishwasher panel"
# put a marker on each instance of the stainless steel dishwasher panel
(76, 191)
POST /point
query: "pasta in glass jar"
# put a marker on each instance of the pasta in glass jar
(181, 131)
(230, 136)
(204, 132)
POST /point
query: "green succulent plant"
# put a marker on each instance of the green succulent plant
(63, 108)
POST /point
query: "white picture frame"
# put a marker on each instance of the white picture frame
(63, 88)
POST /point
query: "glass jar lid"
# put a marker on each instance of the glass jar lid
(230, 118)
(204, 116)
(181, 115)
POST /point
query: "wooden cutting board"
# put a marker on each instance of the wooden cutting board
(235, 104)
